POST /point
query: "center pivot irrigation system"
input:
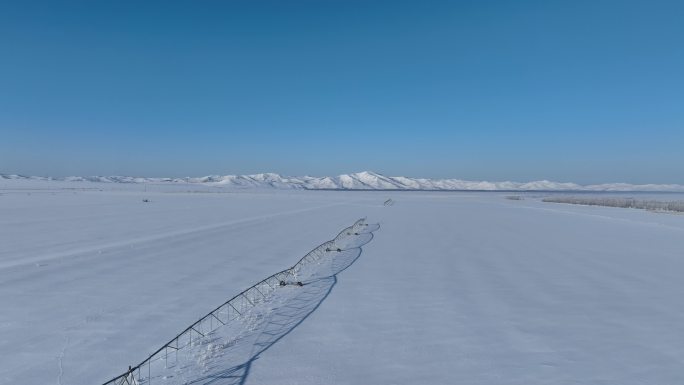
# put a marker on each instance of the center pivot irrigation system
(233, 308)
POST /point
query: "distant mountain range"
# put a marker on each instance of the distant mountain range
(359, 181)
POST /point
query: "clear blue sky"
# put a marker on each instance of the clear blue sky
(583, 91)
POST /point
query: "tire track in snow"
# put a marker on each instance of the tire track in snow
(60, 361)
(157, 237)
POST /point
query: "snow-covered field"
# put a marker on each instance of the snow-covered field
(454, 288)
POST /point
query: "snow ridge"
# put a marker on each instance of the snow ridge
(366, 180)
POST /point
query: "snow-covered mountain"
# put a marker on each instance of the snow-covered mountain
(365, 180)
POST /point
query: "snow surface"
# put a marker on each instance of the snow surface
(459, 288)
(365, 180)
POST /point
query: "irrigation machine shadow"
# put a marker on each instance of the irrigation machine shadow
(264, 329)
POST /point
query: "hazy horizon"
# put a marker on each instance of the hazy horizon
(335, 175)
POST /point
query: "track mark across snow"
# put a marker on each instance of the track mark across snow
(103, 247)
(60, 361)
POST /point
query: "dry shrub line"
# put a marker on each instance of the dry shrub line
(676, 206)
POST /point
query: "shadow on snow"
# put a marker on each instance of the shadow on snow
(266, 327)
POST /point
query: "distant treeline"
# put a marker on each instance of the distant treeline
(631, 203)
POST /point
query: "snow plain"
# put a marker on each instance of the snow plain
(455, 287)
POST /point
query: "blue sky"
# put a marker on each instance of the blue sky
(582, 91)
